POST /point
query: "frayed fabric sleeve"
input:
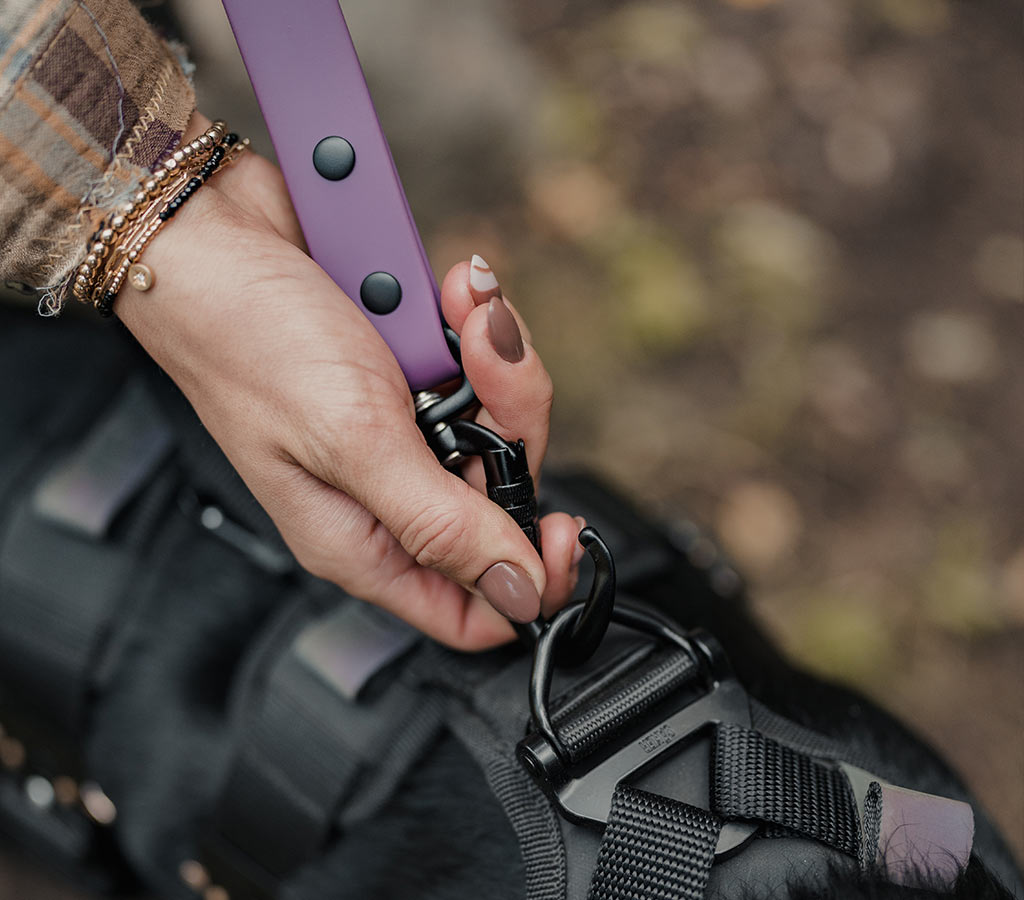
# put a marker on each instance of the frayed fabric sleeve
(90, 99)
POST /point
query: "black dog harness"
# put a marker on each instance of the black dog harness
(654, 742)
(646, 771)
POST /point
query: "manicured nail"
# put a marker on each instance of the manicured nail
(482, 283)
(503, 331)
(510, 591)
(578, 550)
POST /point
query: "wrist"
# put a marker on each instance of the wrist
(116, 246)
(252, 192)
(181, 258)
(238, 206)
(226, 190)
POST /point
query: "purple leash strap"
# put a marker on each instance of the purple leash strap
(340, 174)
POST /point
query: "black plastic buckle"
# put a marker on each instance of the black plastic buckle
(670, 756)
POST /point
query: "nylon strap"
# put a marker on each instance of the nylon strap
(304, 752)
(62, 581)
(811, 742)
(529, 812)
(654, 848)
(487, 712)
(755, 777)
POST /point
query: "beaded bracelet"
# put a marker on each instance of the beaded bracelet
(148, 223)
(91, 271)
(115, 248)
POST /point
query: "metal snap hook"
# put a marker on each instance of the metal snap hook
(454, 439)
(590, 626)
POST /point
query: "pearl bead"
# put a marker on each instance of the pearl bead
(171, 164)
(99, 249)
(91, 260)
(160, 175)
(149, 186)
(139, 198)
(107, 235)
(140, 277)
(118, 222)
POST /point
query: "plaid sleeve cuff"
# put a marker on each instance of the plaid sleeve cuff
(90, 99)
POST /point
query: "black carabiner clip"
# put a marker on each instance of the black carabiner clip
(589, 628)
(510, 485)
(595, 613)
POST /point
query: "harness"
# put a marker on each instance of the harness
(650, 771)
(645, 771)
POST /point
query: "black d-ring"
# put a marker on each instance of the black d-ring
(546, 656)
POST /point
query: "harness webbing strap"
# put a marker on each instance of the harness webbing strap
(755, 777)
(529, 812)
(304, 752)
(61, 581)
(814, 743)
(654, 848)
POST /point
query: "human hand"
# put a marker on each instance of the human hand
(310, 406)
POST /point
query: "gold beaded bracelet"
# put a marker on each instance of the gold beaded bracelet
(115, 248)
(150, 189)
(124, 261)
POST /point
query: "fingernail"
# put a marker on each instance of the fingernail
(578, 550)
(482, 283)
(510, 591)
(503, 331)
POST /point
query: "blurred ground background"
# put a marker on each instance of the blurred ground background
(772, 252)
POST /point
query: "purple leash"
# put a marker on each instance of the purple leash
(339, 171)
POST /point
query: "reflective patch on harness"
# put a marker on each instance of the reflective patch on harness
(919, 838)
(352, 644)
(88, 490)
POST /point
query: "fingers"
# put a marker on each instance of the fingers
(468, 285)
(562, 556)
(337, 539)
(441, 522)
(375, 567)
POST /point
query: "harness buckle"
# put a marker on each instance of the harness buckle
(667, 754)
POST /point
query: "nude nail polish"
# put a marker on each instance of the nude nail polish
(503, 330)
(482, 283)
(510, 591)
